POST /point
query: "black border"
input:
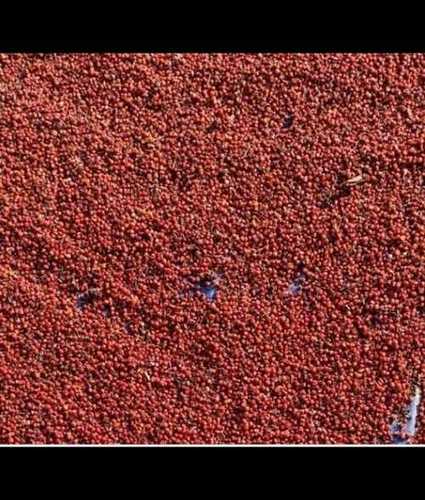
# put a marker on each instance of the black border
(250, 46)
(236, 466)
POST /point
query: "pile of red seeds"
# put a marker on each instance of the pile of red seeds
(211, 248)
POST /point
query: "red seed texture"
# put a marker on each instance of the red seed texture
(211, 248)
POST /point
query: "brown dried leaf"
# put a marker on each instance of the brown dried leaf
(354, 180)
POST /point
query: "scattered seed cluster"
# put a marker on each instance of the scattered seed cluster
(211, 248)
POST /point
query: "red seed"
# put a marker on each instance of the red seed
(133, 176)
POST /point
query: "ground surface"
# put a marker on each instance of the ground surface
(182, 259)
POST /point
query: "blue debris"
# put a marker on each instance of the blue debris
(81, 302)
(396, 431)
(208, 287)
(210, 291)
(413, 413)
(86, 298)
(402, 434)
(295, 287)
(288, 120)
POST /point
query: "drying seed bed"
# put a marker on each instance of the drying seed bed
(212, 248)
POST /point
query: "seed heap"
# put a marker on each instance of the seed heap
(130, 182)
